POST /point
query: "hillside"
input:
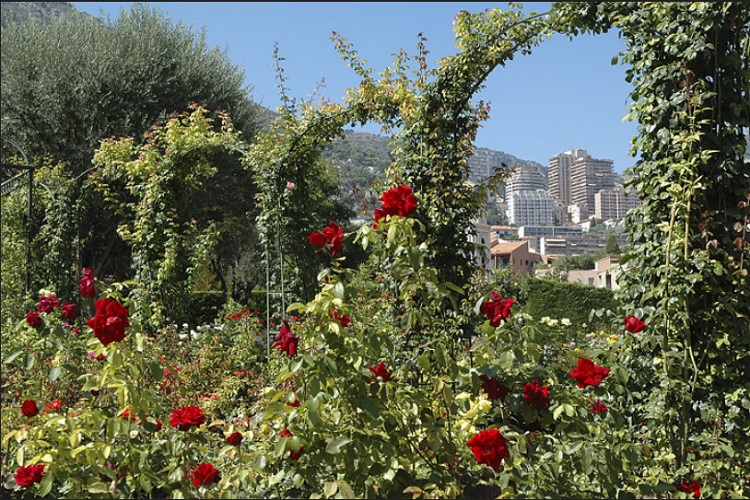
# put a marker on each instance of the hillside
(16, 12)
(361, 157)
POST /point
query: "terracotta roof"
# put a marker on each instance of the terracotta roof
(507, 247)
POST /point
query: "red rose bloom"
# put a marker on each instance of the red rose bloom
(396, 201)
(69, 311)
(489, 448)
(86, 286)
(187, 417)
(380, 372)
(128, 415)
(110, 321)
(235, 438)
(494, 389)
(343, 319)
(47, 303)
(54, 405)
(598, 407)
(536, 394)
(33, 319)
(634, 325)
(692, 487)
(331, 236)
(205, 474)
(496, 309)
(286, 341)
(587, 373)
(26, 475)
(293, 455)
(29, 408)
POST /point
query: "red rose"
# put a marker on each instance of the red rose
(331, 236)
(292, 400)
(380, 372)
(536, 394)
(110, 321)
(29, 408)
(286, 341)
(54, 405)
(587, 373)
(205, 474)
(396, 201)
(33, 319)
(69, 311)
(187, 417)
(598, 407)
(692, 487)
(496, 309)
(47, 303)
(634, 325)
(294, 455)
(341, 318)
(128, 415)
(489, 448)
(86, 286)
(26, 475)
(235, 438)
(494, 389)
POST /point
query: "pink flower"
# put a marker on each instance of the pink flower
(290, 185)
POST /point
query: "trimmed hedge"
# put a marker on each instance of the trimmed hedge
(574, 301)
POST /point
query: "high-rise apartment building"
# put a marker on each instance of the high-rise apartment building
(588, 176)
(526, 178)
(613, 204)
(559, 174)
(531, 208)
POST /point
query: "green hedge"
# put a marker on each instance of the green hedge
(574, 301)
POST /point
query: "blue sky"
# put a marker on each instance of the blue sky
(565, 95)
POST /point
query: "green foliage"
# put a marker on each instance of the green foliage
(161, 178)
(574, 301)
(73, 81)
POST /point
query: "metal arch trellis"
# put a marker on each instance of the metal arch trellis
(282, 292)
(12, 185)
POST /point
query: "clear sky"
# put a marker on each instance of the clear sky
(564, 95)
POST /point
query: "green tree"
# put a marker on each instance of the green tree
(612, 247)
(71, 82)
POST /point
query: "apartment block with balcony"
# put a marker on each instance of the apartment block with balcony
(613, 204)
(533, 208)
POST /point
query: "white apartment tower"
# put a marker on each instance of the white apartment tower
(531, 208)
(588, 176)
(559, 174)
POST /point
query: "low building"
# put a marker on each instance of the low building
(514, 254)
